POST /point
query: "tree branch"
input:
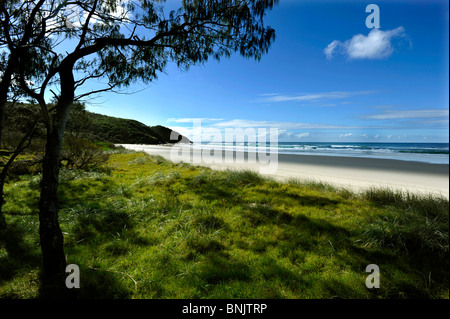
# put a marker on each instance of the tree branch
(110, 88)
(86, 26)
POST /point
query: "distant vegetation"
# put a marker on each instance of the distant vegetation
(93, 126)
(88, 135)
(122, 131)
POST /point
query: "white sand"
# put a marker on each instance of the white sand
(353, 173)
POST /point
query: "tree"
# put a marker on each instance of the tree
(81, 153)
(78, 150)
(19, 35)
(122, 42)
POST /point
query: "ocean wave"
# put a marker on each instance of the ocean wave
(423, 152)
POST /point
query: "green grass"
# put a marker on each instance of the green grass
(142, 227)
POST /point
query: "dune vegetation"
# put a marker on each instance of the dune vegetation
(139, 226)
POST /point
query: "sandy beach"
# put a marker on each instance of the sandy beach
(353, 173)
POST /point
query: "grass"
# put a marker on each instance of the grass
(142, 227)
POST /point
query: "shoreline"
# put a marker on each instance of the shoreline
(352, 173)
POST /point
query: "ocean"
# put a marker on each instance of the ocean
(434, 153)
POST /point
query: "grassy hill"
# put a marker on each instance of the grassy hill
(87, 137)
(125, 131)
(96, 127)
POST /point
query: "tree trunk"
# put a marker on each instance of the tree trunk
(50, 232)
(51, 236)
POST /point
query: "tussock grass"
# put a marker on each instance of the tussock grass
(419, 221)
(142, 227)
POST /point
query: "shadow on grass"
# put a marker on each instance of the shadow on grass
(220, 267)
(94, 284)
(302, 234)
(226, 186)
(216, 191)
(101, 234)
(397, 267)
(72, 192)
(20, 256)
(222, 275)
(302, 200)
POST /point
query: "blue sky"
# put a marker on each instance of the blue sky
(327, 77)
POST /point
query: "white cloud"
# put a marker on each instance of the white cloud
(307, 97)
(240, 123)
(376, 45)
(269, 94)
(283, 134)
(273, 97)
(329, 50)
(345, 135)
(191, 120)
(302, 135)
(408, 114)
(193, 133)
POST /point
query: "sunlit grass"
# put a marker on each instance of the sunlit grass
(142, 227)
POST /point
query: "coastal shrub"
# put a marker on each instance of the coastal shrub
(81, 153)
(23, 167)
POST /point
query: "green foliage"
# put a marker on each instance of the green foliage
(79, 123)
(24, 166)
(103, 130)
(82, 154)
(20, 118)
(123, 131)
(148, 228)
